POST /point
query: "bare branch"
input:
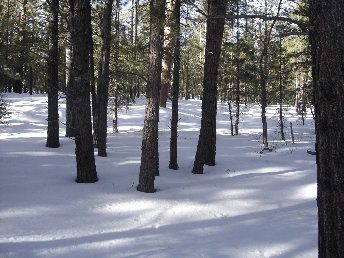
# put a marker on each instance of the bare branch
(302, 25)
(294, 33)
(190, 2)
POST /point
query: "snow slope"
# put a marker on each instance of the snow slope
(251, 204)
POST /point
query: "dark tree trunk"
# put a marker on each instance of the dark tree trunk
(86, 168)
(175, 87)
(103, 78)
(327, 40)
(115, 111)
(135, 34)
(150, 153)
(31, 81)
(70, 93)
(237, 102)
(230, 115)
(187, 75)
(167, 61)
(116, 84)
(281, 93)
(206, 148)
(237, 98)
(52, 80)
(263, 80)
(93, 90)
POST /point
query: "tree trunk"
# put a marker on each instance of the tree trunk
(281, 93)
(103, 78)
(167, 61)
(136, 19)
(81, 18)
(93, 90)
(115, 111)
(327, 40)
(150, 153)
(263, 74)
(237, 101)
(52, 80)
(70, 93)
(187, 75)
(31, 81)
(175, 86)
(263, 78)
(206, 148)
(237, 98)
(116, 84)
(230, 115)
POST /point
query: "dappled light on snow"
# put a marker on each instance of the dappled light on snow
(251, 204)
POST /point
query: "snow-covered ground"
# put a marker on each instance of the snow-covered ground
(251, 204)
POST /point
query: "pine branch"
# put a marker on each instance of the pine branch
(134, 73)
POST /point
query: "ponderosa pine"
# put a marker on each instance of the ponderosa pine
(150, 152)
(206, 147)
(327, 40)
(80, 25)
(52, 77)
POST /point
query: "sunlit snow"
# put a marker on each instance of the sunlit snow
(251, 204)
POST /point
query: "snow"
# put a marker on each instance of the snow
(251, 204)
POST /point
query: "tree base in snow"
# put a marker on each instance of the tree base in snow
(173, 166)
(145, 189)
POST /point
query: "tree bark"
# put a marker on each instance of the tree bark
(206, 148)
(52, 80)
(281, 92)
(327, 41)
(167, 61)
(103, 78)
(93, 90)
(187, 75)
(81, 18)
(150, 153)
(175, 86)
(263, 70)
(237, 98)
(70, 93)
(116, 84)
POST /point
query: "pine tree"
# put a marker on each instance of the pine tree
(206, 148)
(327, 40)
(150, 153)
(263, 63)
(70, 91)
(80, 25)
(52, 81)
(103, 78)
(166, 75)
(175, 87)
(116, 61)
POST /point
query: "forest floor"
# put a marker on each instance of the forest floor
(251, 204)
